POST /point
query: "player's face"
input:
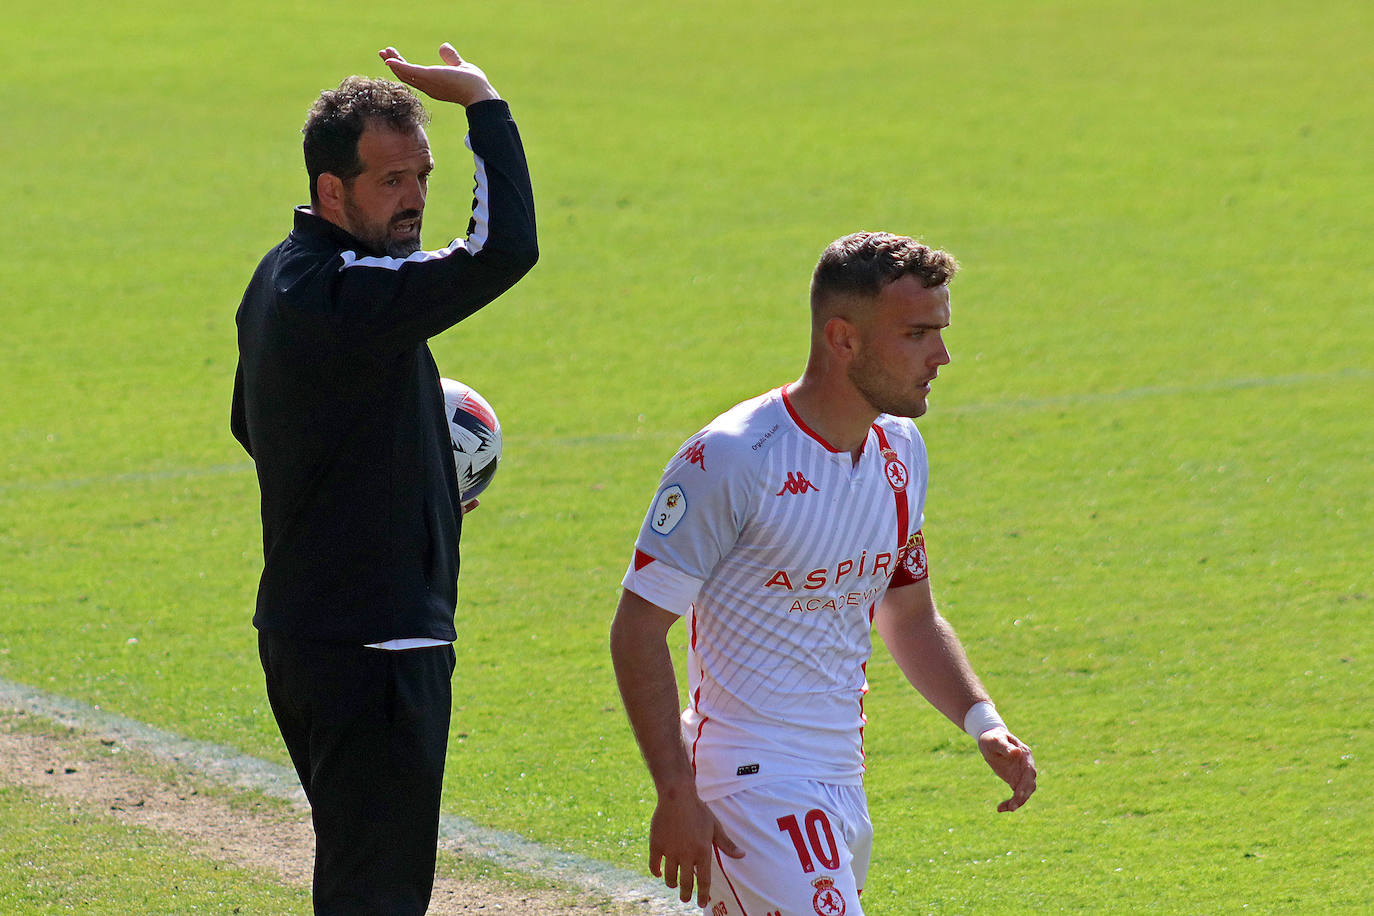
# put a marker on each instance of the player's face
(383, 206)
(901, 347)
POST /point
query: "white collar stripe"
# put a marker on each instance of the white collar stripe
(353, 259)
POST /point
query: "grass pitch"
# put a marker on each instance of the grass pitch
(1150, 457)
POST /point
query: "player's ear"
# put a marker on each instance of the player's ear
(841, 338)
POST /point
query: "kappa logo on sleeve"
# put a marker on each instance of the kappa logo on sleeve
(668, 509)
(695, 454)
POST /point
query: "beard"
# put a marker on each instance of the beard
(883, 391)
(377, 236)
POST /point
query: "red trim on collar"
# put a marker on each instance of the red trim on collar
(796, 418)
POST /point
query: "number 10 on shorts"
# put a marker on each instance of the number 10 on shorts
(819, 839)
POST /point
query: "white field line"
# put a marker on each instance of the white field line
(228, 767)
(1067, 400)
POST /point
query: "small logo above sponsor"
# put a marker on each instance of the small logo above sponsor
(766, 436)
(695, 454)
(796, 483)
(668, 509)
(747, 770)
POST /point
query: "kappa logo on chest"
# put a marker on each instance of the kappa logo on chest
(797, 484)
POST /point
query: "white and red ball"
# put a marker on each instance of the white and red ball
(476, 435)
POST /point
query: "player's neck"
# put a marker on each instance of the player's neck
(835, 412)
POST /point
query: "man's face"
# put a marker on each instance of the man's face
(383, 205)
(901, 347)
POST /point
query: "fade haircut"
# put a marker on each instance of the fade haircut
(861, 264)
(338, 118)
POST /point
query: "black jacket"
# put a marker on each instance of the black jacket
(337, 400)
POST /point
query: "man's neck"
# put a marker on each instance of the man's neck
(834, 411)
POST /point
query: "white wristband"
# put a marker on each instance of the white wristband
(981, 717)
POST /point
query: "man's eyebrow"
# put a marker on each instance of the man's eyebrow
(405, 169)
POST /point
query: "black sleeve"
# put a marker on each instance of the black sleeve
(238, 416)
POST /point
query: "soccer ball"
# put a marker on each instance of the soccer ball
(476, 435)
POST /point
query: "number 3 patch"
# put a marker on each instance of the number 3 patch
(668, 509)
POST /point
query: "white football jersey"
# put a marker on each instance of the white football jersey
(777, 547)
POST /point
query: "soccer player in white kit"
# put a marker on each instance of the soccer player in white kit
(784, 531)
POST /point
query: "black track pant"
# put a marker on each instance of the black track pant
(367, 730)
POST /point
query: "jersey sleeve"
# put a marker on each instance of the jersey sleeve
(695, 518)
(912, 563)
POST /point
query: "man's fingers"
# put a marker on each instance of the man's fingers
(1021, 779)
(449, 55)
(684, 878)
(680, 876)
(727, 845)
(400, 67)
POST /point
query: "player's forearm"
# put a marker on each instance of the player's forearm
(648, 688)
(929, 653)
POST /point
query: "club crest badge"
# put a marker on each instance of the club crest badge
(828, 901)
(894, 470)
(912, 557)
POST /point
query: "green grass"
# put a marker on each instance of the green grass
(1150, 458)
(56, 860)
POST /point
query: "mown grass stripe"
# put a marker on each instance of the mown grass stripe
(1067, 400)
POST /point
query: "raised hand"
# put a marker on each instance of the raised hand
(455, 80)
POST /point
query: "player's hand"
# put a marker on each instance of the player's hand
(1010, 759)
(682, 835)
(455, 80)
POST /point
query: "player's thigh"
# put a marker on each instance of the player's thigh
(807, 848)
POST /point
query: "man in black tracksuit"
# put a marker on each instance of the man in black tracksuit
(337, 399)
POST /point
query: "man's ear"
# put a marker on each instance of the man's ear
(330, 190)
(842, 339)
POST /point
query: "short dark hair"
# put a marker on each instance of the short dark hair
(863, 263)
(339, 117)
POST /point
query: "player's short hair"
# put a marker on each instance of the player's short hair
(861, 264)
(339, 117)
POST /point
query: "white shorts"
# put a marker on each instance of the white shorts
(807, 847)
